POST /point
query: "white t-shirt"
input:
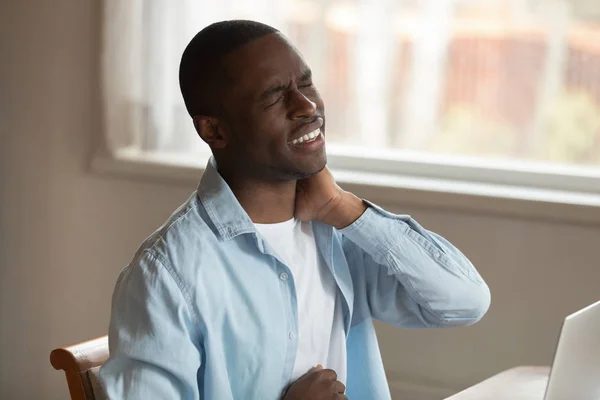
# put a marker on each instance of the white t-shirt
(321, 338)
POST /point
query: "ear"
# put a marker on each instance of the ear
(209, 130)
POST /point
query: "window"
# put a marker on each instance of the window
(456, 87)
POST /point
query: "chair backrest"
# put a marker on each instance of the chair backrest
(81, 363)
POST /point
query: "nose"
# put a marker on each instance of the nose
(300, 106)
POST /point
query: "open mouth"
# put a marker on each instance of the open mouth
(309, 137)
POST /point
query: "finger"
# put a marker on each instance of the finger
(316, 368)
(313, 369)
(339, 387)
(329, 374)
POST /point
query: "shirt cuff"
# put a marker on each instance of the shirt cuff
(371, 231)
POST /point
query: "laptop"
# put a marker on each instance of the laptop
(575, 373)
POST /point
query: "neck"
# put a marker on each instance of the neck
(265, 202)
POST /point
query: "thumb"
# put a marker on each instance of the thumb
(310, 371)
(316, 368)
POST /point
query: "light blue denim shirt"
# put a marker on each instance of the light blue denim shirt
(206, 310)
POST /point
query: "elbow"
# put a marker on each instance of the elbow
(464, 308)
(475, 303)
(480, 301)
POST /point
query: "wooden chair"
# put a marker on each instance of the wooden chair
(81, 363)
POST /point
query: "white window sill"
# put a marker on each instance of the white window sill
(574, 207)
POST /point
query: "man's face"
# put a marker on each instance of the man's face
(275, 121)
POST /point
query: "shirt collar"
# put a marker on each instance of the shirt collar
(221, 205)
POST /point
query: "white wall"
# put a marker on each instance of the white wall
(65, 233)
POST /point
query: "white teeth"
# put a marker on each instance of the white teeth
(307, 137)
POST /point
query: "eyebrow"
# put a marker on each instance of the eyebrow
(306, 75)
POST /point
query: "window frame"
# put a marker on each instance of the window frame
(558, 195)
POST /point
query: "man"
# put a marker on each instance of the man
(264, 284)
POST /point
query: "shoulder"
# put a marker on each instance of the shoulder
(180, 240)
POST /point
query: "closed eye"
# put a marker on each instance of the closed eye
(274, 102)
(306, 85)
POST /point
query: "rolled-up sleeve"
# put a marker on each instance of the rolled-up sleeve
(153, 339)
(414, 278)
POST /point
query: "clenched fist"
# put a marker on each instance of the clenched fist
(317, 384)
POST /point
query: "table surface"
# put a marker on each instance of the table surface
(521, 383)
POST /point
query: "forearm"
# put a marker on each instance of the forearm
(435, 275)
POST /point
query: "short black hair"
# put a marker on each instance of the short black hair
(201, 72)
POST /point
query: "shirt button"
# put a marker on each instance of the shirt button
(437, 255)
(283, 276)
(292, 335)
